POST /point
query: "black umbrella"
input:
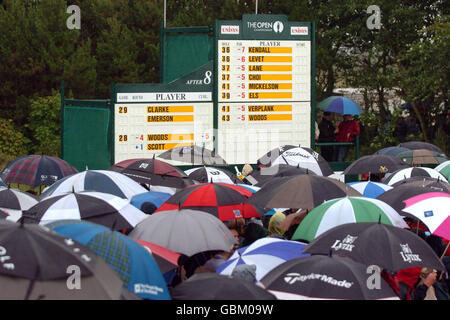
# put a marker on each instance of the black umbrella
(303, 191)
(425, 182)
(36, 263)
(282, 170)
(14, 201)
(193, 155)
(415, 145)
(153, 172)
(3, 215)
(388, 247)
(402, 174)
(324, 277)
(377, 163)
(212, 286)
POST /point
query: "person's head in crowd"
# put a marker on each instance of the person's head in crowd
(274, 223)
(253, 232)
(148, 207)
(236, 224)
(428, 276)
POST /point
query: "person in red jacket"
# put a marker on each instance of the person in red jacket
(346, 132)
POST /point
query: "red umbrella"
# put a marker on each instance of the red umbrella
(225, 201)
(165, 258)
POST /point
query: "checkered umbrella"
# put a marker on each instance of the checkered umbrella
(135, 265)
(101, 208)
(36, 170)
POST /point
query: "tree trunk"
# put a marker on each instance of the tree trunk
(422, 124)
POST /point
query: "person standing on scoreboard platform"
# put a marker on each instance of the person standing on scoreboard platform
(347, 131)
(327, 131)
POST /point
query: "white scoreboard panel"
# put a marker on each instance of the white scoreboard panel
(264, 97)
(146, 129)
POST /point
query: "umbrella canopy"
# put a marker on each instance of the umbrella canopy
(419, 157)
(340, 105)
(96, 180)
(211, 174)
(101, 208)
(2, 184)
(153, 172)
(323, 277)
(413, 145)
(378, 244)
(444, 169)
(433, 210)
(193, 155)
(280, 170)
(370, 189)
(14, 201)
(155, 197)
(396, 197)
(302, 191)
(212, 286)
(185, 231)
(406, 173)
(166, 259)
(298, 157)
(391, 151)
(222, 200)
(36, 264)
(378, 163)
(265, 253)
(346, 210)
(255, 189)
(135, 266)
(35, 170)
(424, 182)
(3, 214)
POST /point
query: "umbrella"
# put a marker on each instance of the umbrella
(406, 173)
(378, 163)
(101, 208)
(211, 174)
(346, 210)
(280, 170)
(444, 169)
(370, 189)
(185, 231)
(2, 184)
(397, 195)
(36, 170)
(302, 191)
(265, 253)
(3, 214)
(212, 286)
(255, 189)
(155, 197)
(413, 145)
(391, 151)
(37, 263)
(14, 201)
(166, 259)
(323, 277)
(222, 200)
(135, 266)
(419, 157)
(153, 172)
(340, 105)
(298, 157)
(433, 210)
(378, 244)
(428, 182)
(194, 155)
(96, 180)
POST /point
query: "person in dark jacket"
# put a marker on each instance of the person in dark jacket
(327, 134)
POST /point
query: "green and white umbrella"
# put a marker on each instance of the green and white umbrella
(336, 212)
(444, 169)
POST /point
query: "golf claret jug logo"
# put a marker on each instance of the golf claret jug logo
(278, 27)
(346, 244)
(407, 254)
(293, 277)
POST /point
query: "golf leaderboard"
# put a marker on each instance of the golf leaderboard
(263, 68)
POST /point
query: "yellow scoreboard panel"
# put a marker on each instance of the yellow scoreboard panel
(264, 101)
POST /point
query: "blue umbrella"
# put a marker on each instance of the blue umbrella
(155, 197)
(340, 105)
(370, 189)
(265, 253)
(391, 151)
(135, 266)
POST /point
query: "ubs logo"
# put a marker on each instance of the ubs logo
(278, 27)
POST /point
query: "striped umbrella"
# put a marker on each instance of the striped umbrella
(346, 210)
(211, 174)
(13, 202)
(370, 189)
(444, 169)
(402, 174)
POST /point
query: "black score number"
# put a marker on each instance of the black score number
(225, 95)
(123, 138)
(225, 108)
(123, 109)
(225, 49)
(226, 117)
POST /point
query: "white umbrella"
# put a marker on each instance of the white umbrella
(13, 202)
(211, 174)
(406, 173)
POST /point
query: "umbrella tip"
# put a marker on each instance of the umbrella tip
(330, 254)
(379, 219)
